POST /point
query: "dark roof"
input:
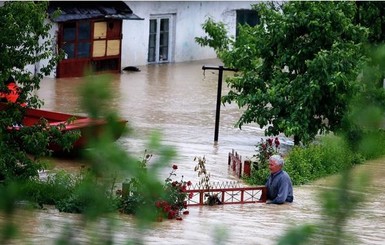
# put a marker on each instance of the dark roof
(80, 10)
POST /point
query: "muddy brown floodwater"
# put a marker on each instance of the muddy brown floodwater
(179, 100)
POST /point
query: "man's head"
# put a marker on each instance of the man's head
(275, 163)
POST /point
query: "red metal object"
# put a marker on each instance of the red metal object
(84, 124)
(247, 168)
(235, 164)
(228, 195)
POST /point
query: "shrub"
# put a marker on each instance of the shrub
(329, 156)
(371, 144)
(260, 161)
(71, 193)
(89, 198)
(49, 191)
(300, 163)
(175, 201)
(204, 182)
(170, 205)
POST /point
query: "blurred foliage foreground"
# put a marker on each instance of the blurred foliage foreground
(95, 192)
(95, 195)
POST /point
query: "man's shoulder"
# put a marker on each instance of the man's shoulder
(284, 174)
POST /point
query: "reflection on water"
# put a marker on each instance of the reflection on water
(179, 100)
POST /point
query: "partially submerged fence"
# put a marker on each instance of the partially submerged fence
(225, 193)
(239, 168)
(229, 192)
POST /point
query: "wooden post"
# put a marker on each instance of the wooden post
(234, 164)
(247, 168)
(229, 158)
(239, 168)
(201, 198)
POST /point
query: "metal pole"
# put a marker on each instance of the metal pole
(219, 95)
(218, 111)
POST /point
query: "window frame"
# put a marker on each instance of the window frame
(246, 16)
(76, 41)
(109, 61)
(154, 54)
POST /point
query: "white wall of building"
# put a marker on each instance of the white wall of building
(34, 68)
(189, 16)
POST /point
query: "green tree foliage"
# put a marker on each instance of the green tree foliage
(370, 14)
(297, 68)
(25, 40)
(93, 192)
(363, 126)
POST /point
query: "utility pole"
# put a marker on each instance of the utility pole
(219, 94)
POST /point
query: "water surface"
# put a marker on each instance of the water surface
(179, 100)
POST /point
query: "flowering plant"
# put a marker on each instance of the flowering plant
(211, 198)
(170, 204)
(174, 203)
(266, 148)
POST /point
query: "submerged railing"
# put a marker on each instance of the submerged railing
(229, 192)
(225, 193)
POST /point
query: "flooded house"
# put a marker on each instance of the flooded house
(108, 36)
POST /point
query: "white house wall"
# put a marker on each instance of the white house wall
(189, 17)
(34, 68)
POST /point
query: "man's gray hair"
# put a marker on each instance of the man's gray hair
(277, 159)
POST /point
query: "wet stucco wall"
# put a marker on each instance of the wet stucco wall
(188, 17)
(34, 68)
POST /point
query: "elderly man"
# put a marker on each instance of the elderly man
(279, 186)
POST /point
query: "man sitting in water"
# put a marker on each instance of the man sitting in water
(279, 186)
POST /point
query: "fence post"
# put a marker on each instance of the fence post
(239, 168)
(229, 158)
(247, 168)
(201, 199)
(264, 194)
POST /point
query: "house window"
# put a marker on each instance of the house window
(76, 39)
(160, 37)
(90, 44)
(247, 16)
(106, 39)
